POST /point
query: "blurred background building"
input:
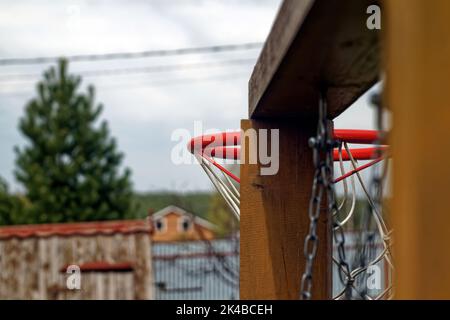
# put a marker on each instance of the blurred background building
(114, 258)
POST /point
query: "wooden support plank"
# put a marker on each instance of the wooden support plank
(313, 44)
(418, 82)
(274, 219)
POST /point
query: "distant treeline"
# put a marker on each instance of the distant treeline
(196, 202)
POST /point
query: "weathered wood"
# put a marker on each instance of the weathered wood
(418, 82)
(275, 221)
(31, 267)
(315, 44)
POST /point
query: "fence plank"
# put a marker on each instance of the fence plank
(31, 267)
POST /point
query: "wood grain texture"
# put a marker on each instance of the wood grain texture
(312, 45)
(31, 267)
(274, 220)
(417, 91)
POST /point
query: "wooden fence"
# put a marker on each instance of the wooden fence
(114, 258)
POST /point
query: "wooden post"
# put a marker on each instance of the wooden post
(275, 221)
(313, 44)
(418, 92)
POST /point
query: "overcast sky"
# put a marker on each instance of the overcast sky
(142, 110)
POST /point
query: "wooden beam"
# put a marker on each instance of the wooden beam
(418, 82)
(274, 219)
(313, 44)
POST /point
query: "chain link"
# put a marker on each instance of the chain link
(372, 225)
(312, 241)
(323, 145)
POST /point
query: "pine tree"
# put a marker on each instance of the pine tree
(71, 167)
(13, 208)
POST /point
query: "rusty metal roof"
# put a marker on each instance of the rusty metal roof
(79, 229)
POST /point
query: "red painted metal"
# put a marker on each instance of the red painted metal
(221, 168)
(226, 145)
(358, 169)
(360, 153)
(79, 229)
(214, 140)
(228, 139)
(357, 153)
(357, 136)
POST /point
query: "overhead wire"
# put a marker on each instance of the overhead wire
(136, 70)
(132, 55)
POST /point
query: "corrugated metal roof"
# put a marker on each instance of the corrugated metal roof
(71, 229)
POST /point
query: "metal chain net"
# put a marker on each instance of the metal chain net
(362, 256)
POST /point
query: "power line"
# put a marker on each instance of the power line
(137, 70)
(121, 86)
(133, 55)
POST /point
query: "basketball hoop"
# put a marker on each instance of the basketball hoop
(375, 241)
(227, 145)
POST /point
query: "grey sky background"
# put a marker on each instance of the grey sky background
(142, 110)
